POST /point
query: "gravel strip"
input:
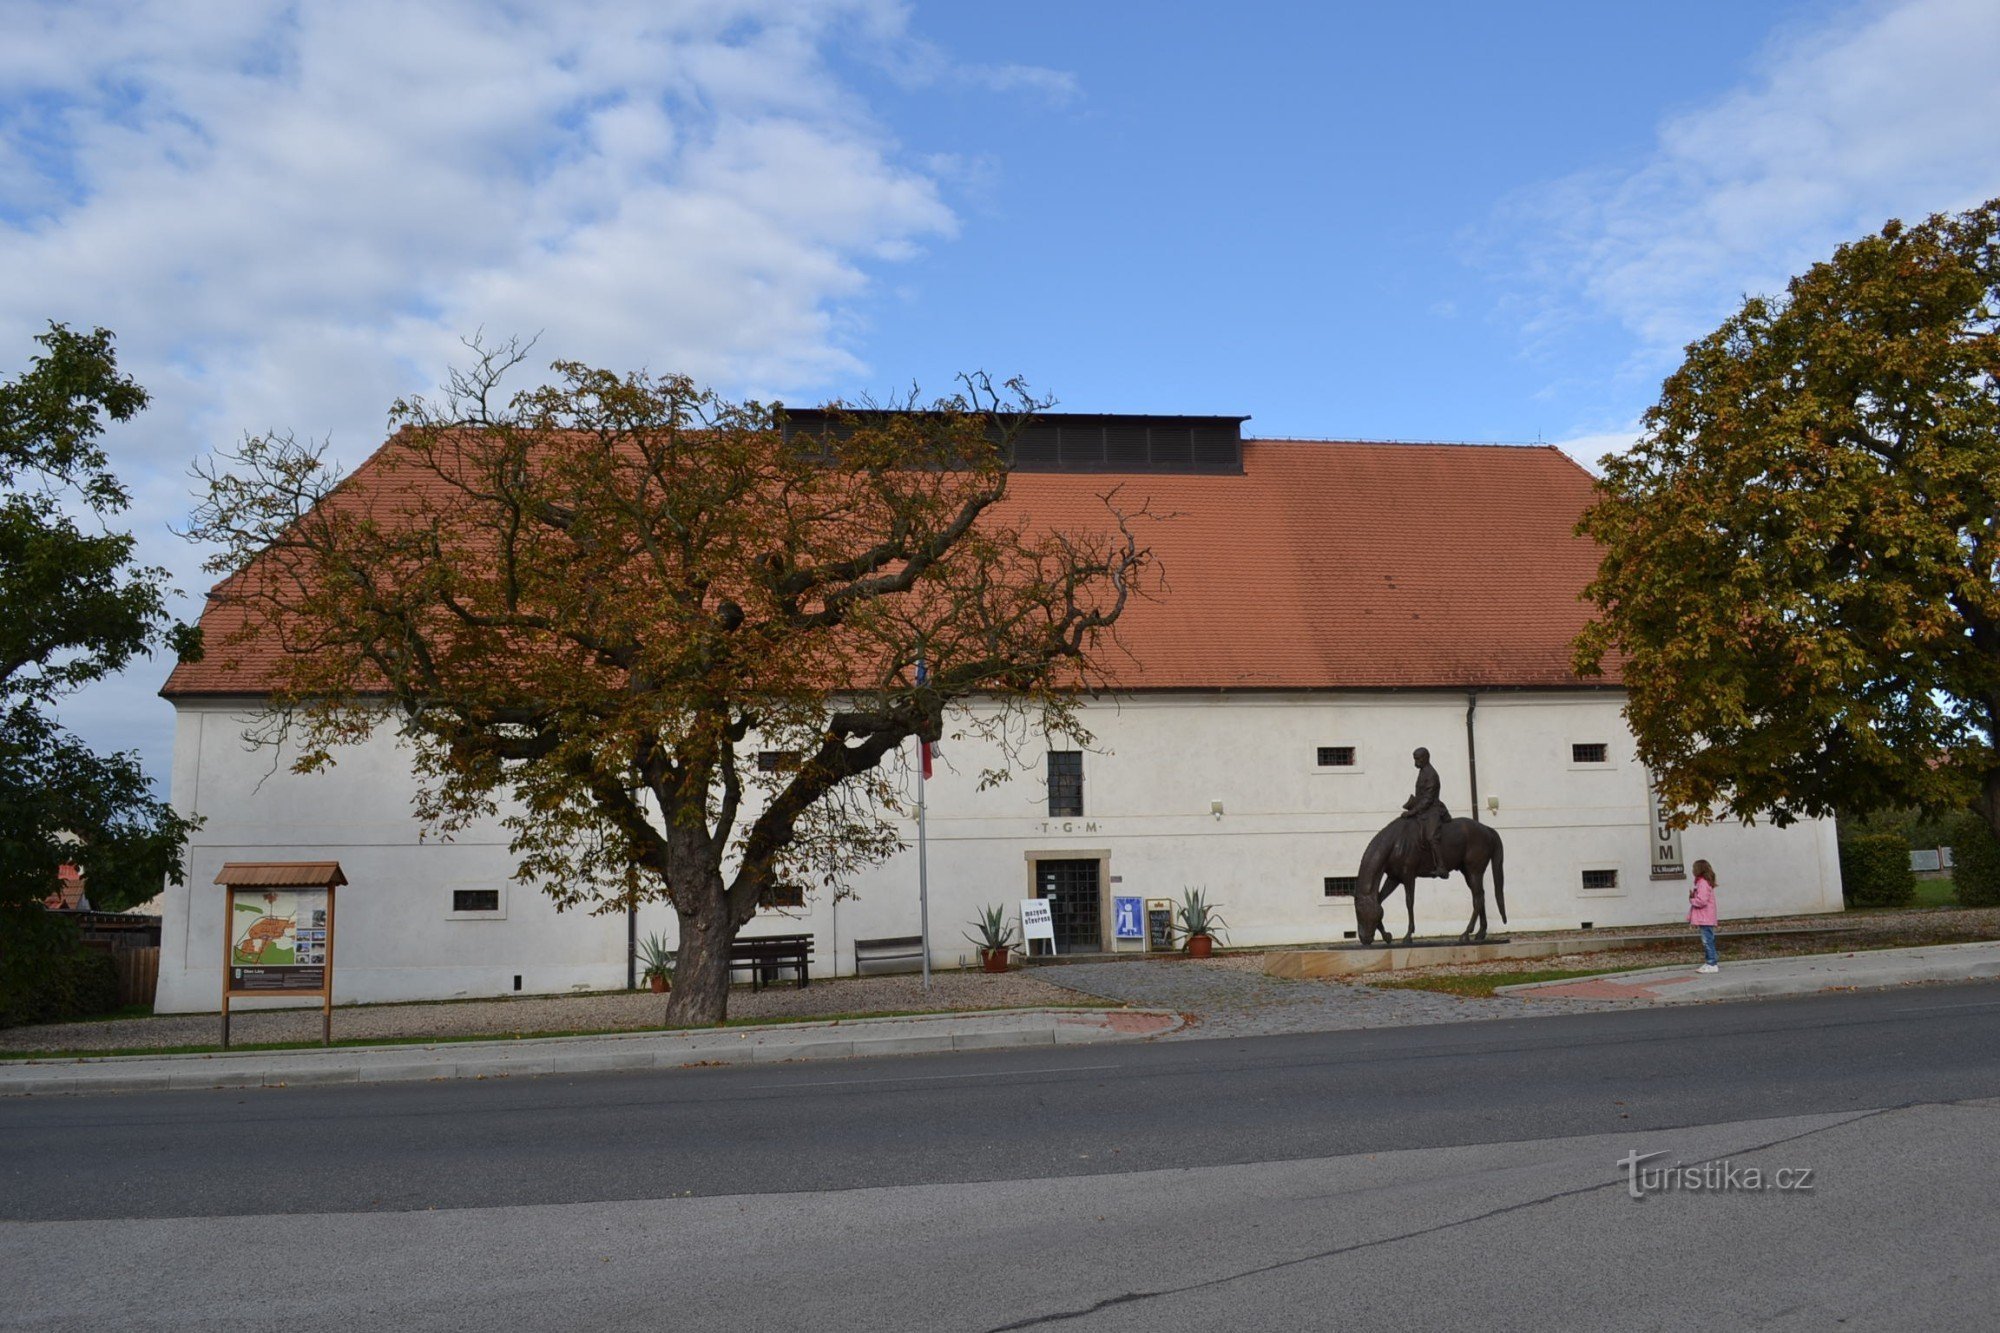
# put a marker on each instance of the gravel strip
(1225, 996)
(613, 1012)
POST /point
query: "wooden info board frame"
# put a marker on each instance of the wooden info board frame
(247, 980)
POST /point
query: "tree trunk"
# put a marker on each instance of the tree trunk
(1988, 801)
(700, 997)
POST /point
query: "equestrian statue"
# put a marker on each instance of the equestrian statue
(1425, 841)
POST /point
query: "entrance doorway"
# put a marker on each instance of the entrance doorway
(1071, 888)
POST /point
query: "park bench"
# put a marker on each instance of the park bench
(764, 955)
(890, 949)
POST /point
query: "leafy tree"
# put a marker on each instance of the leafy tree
(1800, 555)
(600, 600)
(73, 609)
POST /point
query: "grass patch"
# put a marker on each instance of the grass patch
(1936, 893)
(1481, 985)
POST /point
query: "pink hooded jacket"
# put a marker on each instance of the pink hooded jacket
(1701, 903)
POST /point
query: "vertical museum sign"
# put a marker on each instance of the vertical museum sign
(1666, 849)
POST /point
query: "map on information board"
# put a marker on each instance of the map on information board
(278, 939)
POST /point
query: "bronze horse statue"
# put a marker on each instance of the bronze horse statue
(1393, 861)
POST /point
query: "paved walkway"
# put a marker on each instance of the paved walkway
(575, 1055)
(1235, 1002)
(1169, 998)
(1772, 976)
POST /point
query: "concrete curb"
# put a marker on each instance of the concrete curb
(1761, 977)
(509, 1057)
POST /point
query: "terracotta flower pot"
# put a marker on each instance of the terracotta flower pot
(658, 983)
(994, 960)
(1200, 946)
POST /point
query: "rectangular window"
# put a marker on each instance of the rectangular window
(475, 900)
(1595, 752)
(1600, 879)
(1336, 756)
(783, 895)
(1342, 886)
(1065, 783)
(777, 761)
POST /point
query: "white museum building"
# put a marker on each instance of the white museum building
(1329, 607)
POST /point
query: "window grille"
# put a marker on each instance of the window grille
(1336, 756)
(1066, 783)
(1342, 886)
(783, 895)
(777, 761)
(1600, 879)
(475, 900)
(1595, 752)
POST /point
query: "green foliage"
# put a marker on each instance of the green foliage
(1799, 555)
(1196, 915)
(73, 609)
(995, 930)
(596, 602)
(655, 958)
(1975, 862)
(46, 975)
(1875, 869)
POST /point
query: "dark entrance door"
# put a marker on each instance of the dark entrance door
(1071, 888)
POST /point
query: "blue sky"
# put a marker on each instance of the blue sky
(1433, 221)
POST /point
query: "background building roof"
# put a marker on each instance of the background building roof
(1322, 565)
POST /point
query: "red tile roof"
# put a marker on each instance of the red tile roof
(1325, 565)
(69, 895)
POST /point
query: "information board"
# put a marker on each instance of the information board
(280, 941)
(1037, 922)
(1129, 918)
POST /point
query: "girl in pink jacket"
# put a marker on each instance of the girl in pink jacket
(1701, 911)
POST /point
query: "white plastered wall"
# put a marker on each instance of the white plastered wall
(1158, 766)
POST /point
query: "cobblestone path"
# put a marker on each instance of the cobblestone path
(1227, 1000)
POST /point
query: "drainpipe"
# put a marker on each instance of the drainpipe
(1472, 751)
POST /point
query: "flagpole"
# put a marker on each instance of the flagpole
(923, 870)
(923, 847)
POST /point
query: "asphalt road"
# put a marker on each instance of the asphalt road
(1405, 1177)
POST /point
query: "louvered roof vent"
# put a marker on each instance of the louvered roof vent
(1094, 441)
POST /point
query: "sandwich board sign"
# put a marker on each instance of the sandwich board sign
(1037, 922)
(277, 938)
(1130, 924)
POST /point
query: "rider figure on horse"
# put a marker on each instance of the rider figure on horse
(1427, 814)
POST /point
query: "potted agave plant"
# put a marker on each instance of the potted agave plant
(995, 937)
(656, 961)
(1197, 921)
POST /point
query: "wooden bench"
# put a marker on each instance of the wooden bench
(765, 954)
(890, 949)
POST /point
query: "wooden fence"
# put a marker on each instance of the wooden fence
(138, 974)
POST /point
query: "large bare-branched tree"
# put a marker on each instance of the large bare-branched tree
(591, 606)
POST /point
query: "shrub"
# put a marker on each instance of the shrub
(46, 975)
(1875, 869)
(1975, 862)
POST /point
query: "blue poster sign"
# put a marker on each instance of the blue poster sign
(1131, 921)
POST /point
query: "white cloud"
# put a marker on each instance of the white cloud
(1889, 111)
(1590, 450)
(290, 213)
